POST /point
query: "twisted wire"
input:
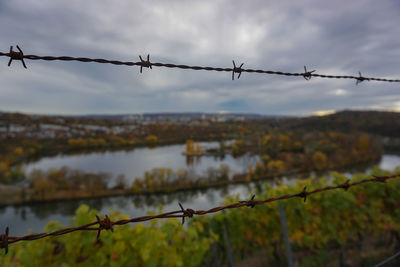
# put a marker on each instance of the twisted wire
(13, 55)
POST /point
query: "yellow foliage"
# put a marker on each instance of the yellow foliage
(152, 139)
(297, 145)
(276, 166)
(41, 187)
(320, 161)
(77, 143)
(237, 146)
(137, 185)
(18, 151)
(116, 140)
(265, 159)
(284, 142)
(266, 140)
(363, 144)
(189, 146)
(193, 148)
(3, 170)
(198, 149)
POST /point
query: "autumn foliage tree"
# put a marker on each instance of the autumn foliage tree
(319, 160)
(152, 140)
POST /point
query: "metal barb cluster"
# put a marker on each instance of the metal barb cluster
(107, 224)
(303, 194)
(250, 203)
(186, 213)
(307, 75)
(360, 79)
(145, 63)
(381, 179)
(345, 185)
(16, 56)
(236, 70)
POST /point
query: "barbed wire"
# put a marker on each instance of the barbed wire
(107, 224)
(307, 75)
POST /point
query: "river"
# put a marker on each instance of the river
(135, 162)
(33, 217)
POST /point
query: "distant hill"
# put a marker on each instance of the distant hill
(176, 115)
(376, 122)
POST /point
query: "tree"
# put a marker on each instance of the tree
(363, 144)
(320, 161)
(16, 175)
(189, 146)
(58, 177)
(237, 147)
(284, 143)
(120, 182)
(223, 172)
(276, 167)
(152, 140)
(137, 186)
(43, 187)
(18, 152)
(77, 143)
(3, 172)
(33, 176)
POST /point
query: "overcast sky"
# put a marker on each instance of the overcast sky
(333, 37)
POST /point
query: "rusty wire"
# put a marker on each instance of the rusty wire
(13, 55)
(107, 224)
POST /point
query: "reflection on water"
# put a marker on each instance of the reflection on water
(193, 161)
(35, 216)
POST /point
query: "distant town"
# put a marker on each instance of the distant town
(48, 127)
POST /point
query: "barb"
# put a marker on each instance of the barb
(107, 224)
(186, 213)
(16, 55)
(346, 185)
(307, 74)
(250, 203)
(303, 194)
(147, 64)
(361, 78)
(236, 70)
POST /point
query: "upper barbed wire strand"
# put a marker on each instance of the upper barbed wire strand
(143, 63)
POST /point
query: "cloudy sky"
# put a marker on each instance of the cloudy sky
(333, 37)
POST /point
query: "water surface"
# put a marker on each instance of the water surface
(135, 162)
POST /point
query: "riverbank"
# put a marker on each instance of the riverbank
(16, 195)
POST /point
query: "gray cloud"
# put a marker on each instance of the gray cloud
(337, 37)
